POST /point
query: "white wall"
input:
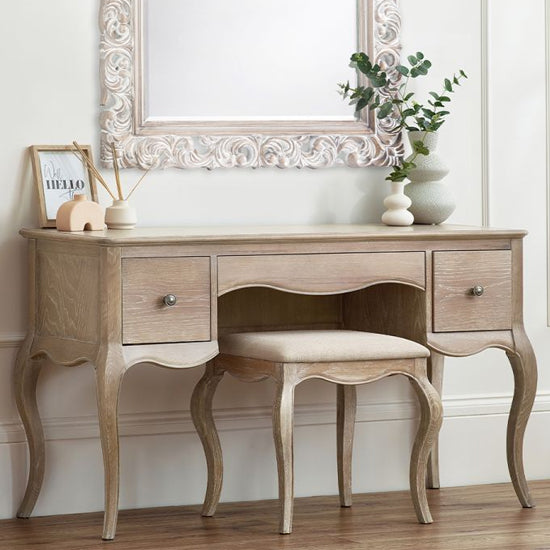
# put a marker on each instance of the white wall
(49, 94)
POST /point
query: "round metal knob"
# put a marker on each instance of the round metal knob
(170, 300)
(478, 290)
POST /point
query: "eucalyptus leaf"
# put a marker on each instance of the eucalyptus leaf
(419, 147)
(385, 97)
(367, 94)
(361, 104)
(385, 110)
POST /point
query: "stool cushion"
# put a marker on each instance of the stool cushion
(311, 346)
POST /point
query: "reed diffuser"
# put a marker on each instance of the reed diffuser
(120, 215)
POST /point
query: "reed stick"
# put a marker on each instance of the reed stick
(117, 174)
(93, 169)
(139, 181)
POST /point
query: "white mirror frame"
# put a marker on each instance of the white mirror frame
(312, 144)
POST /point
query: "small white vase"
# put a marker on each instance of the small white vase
(120, 215)
(397, 203)
(432, 200)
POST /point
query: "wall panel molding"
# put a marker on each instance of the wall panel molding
(257, 418)
(547, 70)
(484, 41)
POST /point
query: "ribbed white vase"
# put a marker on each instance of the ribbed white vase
(397, 203)
(120, 215)
(432, 200)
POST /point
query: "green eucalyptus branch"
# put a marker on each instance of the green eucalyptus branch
(391, 99)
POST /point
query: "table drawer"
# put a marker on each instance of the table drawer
(320, 273)
(456, 306)
(146, 318)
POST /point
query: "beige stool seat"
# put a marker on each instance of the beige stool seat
(344, 357)
(298, 346)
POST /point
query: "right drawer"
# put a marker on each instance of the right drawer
(472, 290)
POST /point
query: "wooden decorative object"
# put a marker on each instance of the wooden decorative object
(374, 356)
(100, 298)
(80, 214)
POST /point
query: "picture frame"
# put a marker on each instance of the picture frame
(59, 174)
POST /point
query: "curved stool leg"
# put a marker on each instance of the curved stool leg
(283, 426)
(435, 374)
(346, 404)
(25, 378)
(201, 412)
(431, 416)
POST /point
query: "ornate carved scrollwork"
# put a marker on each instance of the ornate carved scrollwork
(378, 146)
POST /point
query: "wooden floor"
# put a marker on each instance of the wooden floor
(466, 518)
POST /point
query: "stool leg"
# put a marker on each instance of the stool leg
(346, 403)
(201, 412)
(283, 426)
(435, 373)
(431, 414)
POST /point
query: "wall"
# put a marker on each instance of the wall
(494, 143)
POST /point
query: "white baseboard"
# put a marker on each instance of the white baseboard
(254, 418)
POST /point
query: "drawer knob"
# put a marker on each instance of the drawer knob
(170, 300)
(478, 290)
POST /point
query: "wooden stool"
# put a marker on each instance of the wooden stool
(344, 357)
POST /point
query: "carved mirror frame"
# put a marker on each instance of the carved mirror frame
(313, 144)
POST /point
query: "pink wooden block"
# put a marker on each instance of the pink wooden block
(80, 214)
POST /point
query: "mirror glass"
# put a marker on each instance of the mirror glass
(290, 73)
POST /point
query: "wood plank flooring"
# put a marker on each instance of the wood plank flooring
(484, 517)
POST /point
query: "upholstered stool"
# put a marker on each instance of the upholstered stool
(341, 356)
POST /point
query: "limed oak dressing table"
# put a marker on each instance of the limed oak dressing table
(161, 296)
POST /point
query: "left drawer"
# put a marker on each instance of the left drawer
(165, 300)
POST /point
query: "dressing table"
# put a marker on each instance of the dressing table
(162, 295)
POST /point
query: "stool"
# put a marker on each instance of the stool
(344, 357)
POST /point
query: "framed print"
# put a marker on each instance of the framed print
(59, 174)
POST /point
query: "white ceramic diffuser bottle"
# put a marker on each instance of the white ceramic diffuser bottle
(120, 215)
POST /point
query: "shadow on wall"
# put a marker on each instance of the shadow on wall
(24, 210)
(370, 207)
(369, 189)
